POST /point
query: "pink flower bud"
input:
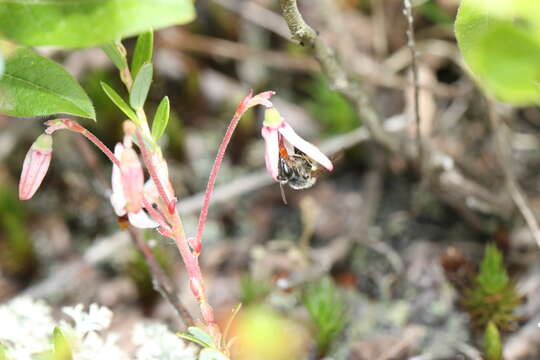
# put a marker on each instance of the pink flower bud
(35, 166)
(132, 180)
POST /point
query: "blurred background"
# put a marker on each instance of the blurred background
(379, 260)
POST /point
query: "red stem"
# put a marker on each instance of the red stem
(151, 169)
(242, 107)
(78, 128)
(101, 146)
(156, 215)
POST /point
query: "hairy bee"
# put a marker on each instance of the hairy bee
(297, 170)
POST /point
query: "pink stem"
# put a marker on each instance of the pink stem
(78, 128)
(156, 215)
(101, 147)
(152, 170)
(217, 164)
(191, 261)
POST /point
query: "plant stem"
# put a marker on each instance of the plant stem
(217, 164)
(190, 260)
(339, 79)
(407, 11)
(151, 169)
(78, 128)
(162, 283)
(156, 215)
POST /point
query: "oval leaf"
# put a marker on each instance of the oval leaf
(161, 118)
(119, 102)
(143, 51)
(140, 87)
(116, 55)
(201, 335)
(33, 85)
(187, 337)
(82, 23)
(500, 41)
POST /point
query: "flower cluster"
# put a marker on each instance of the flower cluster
(152, 204)
(27, 328)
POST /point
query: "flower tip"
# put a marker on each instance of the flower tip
(35, 166)
(330, 166)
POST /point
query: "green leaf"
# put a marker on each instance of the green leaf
(500, 41)
(33, 85)
(83, 23)
(492, 343)
(140, 87)
(191, 338)
(143, 51)
(116, 53)
(161, 118)
(201, 335)
(119, 102)
(212, 354)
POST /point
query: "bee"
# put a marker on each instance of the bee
(297, 170)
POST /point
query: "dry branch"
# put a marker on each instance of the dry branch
(339, 79)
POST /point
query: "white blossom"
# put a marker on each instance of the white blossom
(156, 342)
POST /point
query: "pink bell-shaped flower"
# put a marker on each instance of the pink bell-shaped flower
(127, 188)
(35, 166)
(282, 145)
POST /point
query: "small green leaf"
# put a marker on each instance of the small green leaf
(161, 118)
(492, 343)
(191, 338)
(115, 53)
(62, 347)
(143, 51)
(84, 23)
(119, 102)
(212, 354)
(140, 87)
(201, 335)
(33, 85)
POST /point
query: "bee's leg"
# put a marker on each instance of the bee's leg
(283, 197)
(284, 171)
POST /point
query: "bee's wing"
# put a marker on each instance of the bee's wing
(321, 170)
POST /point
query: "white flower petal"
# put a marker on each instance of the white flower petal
(118, 201)
(309, 149)
(116, 177)
(271, 155)
(141, 220)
